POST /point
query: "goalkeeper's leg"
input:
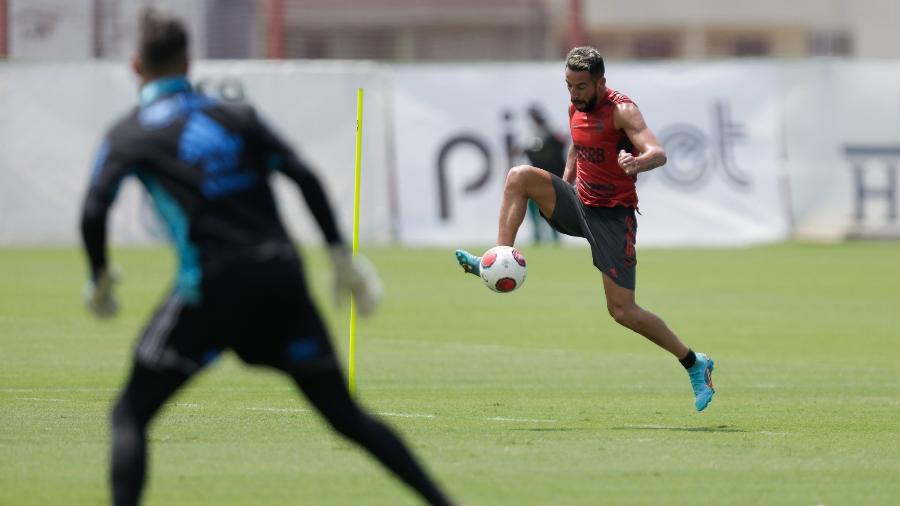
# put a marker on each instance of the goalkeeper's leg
(327, 391)
(145, 392)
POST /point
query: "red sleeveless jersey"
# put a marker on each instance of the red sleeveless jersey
(601, 182)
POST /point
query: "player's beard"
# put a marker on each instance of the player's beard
(586, 106)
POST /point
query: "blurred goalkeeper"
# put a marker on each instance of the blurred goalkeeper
(240, 283)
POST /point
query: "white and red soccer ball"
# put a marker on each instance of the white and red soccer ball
(503, 269)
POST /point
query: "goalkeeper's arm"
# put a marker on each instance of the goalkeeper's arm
(104, 185)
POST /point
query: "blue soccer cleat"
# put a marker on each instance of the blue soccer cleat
(701, 381)
(469, 262)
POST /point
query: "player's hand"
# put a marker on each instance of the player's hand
(98, 294)
(357, 276)
(628, 162)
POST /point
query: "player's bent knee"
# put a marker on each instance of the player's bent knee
(518, 177)
(623, 315)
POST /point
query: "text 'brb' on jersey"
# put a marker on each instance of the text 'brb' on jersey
(601, 182)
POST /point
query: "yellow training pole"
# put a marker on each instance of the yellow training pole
(359, 118)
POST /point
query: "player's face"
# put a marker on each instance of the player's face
(582, 89)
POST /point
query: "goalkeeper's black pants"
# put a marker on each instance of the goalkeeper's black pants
(148, 389)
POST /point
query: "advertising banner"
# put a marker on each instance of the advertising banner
(757, 151)
(460, 128)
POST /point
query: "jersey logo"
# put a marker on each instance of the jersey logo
(217, 151)
(590, 154)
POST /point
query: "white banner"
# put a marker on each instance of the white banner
(843, 137)
(438, 140)
(55, 117)
(458, 129)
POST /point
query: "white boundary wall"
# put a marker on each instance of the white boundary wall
(842, 137)
(54, 117)
(758, 150)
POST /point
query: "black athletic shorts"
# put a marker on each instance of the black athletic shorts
(609, 230)
(262, 311)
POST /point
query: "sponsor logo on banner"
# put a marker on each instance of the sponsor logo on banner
(719, 187)
(476, 184)
(695, 155)
(874, 170)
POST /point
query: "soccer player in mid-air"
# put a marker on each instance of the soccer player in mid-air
(240, 283)
(596, 199)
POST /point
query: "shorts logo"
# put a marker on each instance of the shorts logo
(303, 349)
(629, 237)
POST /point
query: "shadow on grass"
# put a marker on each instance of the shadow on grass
(713, 428)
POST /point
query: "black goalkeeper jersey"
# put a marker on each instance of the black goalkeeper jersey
(206, 164)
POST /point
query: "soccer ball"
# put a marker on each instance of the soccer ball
(503, 269)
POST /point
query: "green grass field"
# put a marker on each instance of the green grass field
(532, 398)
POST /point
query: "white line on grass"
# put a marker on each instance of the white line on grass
(263, 408)
(303, 410)
(651, 426)
(68, 389)
(42, 399)
(280, 410)
(406, 415)
(504, 419)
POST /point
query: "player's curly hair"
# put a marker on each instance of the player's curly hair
(163, 42)
(586, 59)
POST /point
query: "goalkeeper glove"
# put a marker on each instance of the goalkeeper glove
(357, 276)
(98, 294)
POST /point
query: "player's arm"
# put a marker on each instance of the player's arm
(109, 170)
(571, 171)
(650, 153)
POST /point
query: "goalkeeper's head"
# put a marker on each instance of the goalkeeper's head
(162, 46)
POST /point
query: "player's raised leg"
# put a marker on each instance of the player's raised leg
(522, 182)
(622, 307)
